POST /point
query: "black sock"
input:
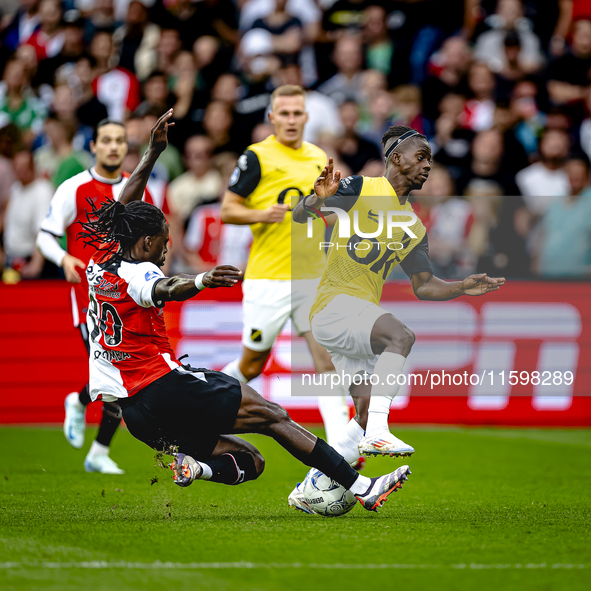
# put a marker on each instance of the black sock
(107, 427)
(84, 396)
(329, 461)
(225, 470)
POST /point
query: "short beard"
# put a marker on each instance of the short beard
(111, 168)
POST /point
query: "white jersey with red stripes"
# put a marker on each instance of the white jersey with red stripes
(129, 347)
(69, 206)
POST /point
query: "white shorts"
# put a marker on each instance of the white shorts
(344, 327)
(268, 304)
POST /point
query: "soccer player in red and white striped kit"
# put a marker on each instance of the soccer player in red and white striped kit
(69, 206)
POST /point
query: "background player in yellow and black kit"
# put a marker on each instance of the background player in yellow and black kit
(346, 317)
(270, 178)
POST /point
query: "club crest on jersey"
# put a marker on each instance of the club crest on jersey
(242, 162)
(256, 335)
(235, 176)
(151, 275)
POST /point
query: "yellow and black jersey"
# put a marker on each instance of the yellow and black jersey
(269, 173)
(367, 242)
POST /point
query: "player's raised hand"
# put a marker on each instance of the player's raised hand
(69, 264)
(222, 276)
(159, 133)
(274, 214)
(328, 181)
(476, 285)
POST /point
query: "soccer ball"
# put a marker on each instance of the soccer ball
(325, 496)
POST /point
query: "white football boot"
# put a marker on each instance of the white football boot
(296, 500)
(186, 470)
(75, 422)
(383, 443)
(101, 463)
(382, 487)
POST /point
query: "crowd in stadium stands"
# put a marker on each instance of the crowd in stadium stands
(501, 88)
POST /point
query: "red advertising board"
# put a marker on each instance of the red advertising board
(504, 337)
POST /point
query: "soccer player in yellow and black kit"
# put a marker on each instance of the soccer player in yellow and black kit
(346, 317)
(269, 179)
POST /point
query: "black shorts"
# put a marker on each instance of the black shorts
(184, 411)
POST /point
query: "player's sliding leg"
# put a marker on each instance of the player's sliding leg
(392, 341)
(333, 406)
(257, 415)
(233, 461)
(97, 459)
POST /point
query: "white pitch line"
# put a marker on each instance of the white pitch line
(101, 564)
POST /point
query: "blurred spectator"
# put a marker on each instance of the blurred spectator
(513, 70)
(500, 230)
(323, 113)
(448, 74)
(167, 49)
(488, 163)
(9, 138)
(156, 92)
(259, 65)
(27, 206)
(60, 66)
(379, 47)
(215, 18)
(89, 110)
(22, 25)
(58, 161)
(17, 105)
(356, 152)
(218, 125)
(344, 16)
(379, 116)
(541, 183)
(137, 40)
(116, 88)
(201, 183)
(530, 120)
(490, 45)
(261, 132)
(585, 129)
(346, 84)
(479, 110)
(505, 121)
(568, 76)
(48, 39)
(407, 108)
(564, 248)
(449, 221)
(170, 160)
(286, 30)
(451, 143)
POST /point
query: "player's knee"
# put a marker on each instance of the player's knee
(259, 464)
(403, 340)
(412, 336)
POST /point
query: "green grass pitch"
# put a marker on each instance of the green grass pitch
(484, 509)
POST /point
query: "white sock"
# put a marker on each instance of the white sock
(347, 444)
(335, 414)
(207, 471)
(388, 367)
(233, 370)
(98, 449)
(361, 485)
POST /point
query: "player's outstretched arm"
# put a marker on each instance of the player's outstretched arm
(428, 287)
(326, 186)
(183, 286)
(136, 185)
(235, 212)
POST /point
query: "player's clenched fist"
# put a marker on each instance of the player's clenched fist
(328, 181)
(222, 276)
(274, 214)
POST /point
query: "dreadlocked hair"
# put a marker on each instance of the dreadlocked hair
(115, 228)
(396, 131)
